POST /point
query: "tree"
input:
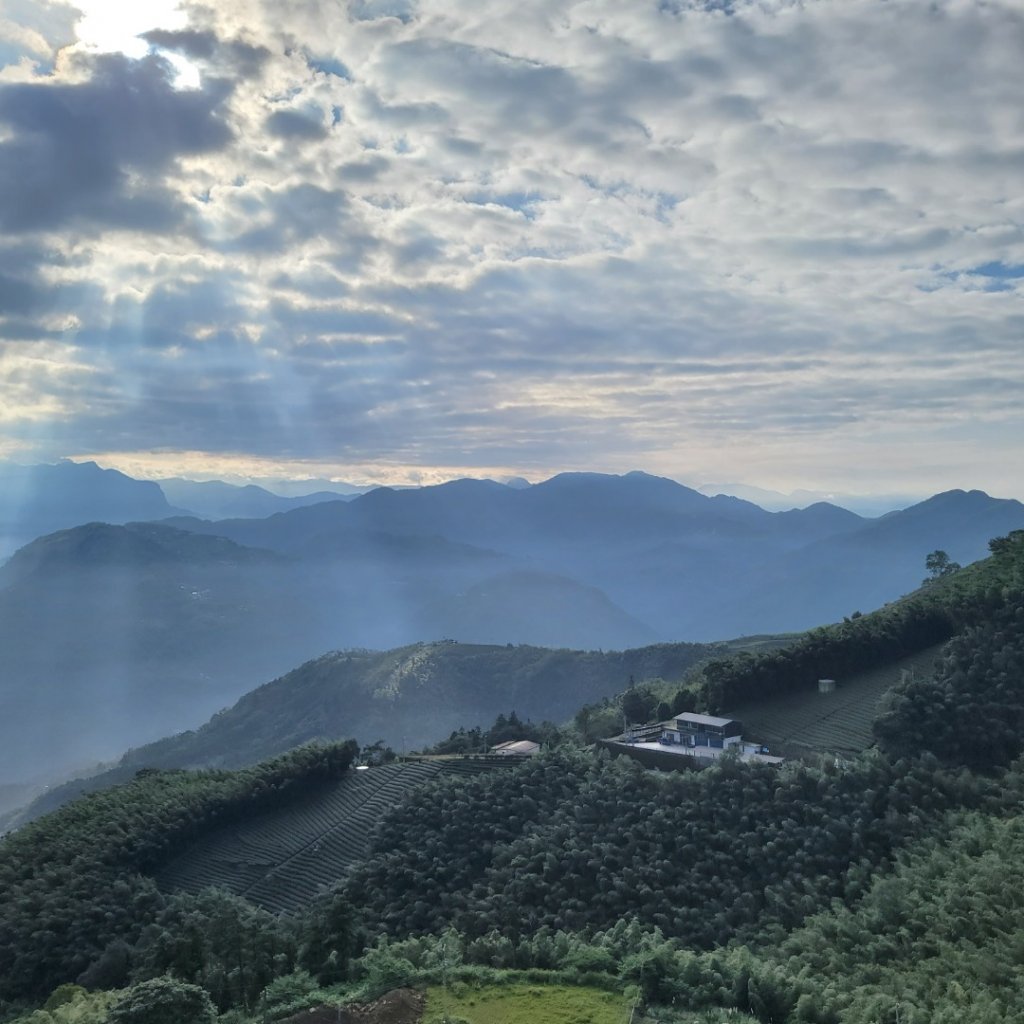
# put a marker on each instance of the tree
(163, 1001)
(327, 939)
(638, 704)
(939, 564)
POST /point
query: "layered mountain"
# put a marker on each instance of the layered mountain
(35, 500)
(215, 499)
(112, 635)
(686, 565)
(39, 499)
(409, 697)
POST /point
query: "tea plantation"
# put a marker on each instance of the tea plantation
(283, 858)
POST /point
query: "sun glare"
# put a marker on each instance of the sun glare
(116, 26)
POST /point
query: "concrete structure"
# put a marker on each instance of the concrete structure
(697, 740)
(693, 730)
(516, 748)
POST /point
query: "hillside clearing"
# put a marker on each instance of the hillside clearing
(526, 1004)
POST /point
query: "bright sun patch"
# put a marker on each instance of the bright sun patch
(117, 26)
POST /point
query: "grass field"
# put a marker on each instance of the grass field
(527, 1004)
(838, 722)
(555, 1004)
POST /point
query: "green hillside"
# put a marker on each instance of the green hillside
(411, 697)
(414, 696)
(861, 643)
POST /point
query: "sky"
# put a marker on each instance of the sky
(399, 241)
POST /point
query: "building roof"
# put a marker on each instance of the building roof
(516, 747)
(700, 753)
(695, 719)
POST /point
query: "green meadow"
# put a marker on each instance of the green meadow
(526, 1004)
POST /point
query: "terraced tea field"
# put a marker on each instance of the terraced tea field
(838, 722)
(281, 859)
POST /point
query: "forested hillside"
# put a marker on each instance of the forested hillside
(71, 883)
(572, 842)
(410, 697)
(933, 613)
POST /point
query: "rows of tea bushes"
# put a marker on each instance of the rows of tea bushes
(283, 858)
(839, 722)
(74, 881)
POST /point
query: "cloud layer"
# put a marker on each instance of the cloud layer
(774, 241)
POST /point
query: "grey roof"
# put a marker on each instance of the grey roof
(695, 719)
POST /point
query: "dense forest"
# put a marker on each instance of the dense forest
(882, 889)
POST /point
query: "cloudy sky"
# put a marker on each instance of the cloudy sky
(405, 240)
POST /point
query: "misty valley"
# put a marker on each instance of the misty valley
(118, 633)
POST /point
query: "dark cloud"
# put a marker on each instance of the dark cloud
(20, 295)
(364, 171)
(295, 215)
(199, 45)
(23, 329)
(28, 292)
(295, 124)
(204, 46)
(526, 97)
(97, 152)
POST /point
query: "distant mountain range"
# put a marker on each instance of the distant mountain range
(675, 562)
(871, 505)
(36, 500)
(214, 499)
(114, 635)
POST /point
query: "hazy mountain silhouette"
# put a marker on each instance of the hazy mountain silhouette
(111, 632)
(35, 500)
(112, 635)
(214, 499)
(776, 501)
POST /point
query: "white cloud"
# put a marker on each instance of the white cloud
(546, 234)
